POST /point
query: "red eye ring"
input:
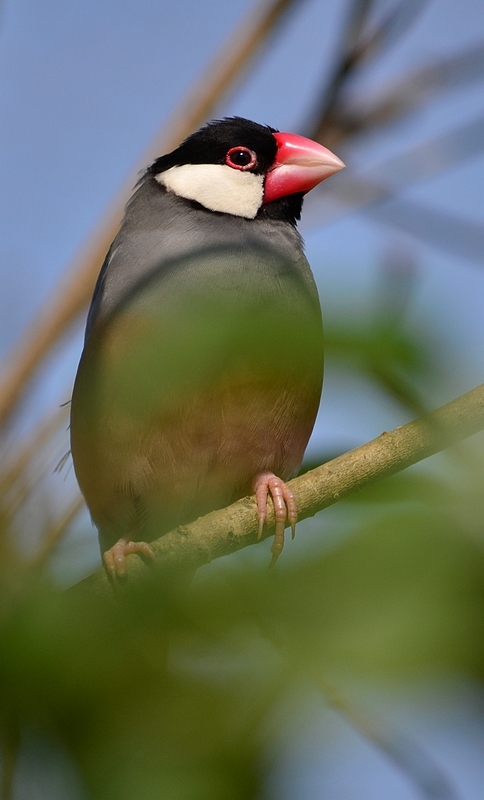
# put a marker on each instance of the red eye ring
(241, 158)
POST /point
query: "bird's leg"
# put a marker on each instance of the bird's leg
(115, 558)
(285, 507)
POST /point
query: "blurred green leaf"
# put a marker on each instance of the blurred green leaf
(169, 691)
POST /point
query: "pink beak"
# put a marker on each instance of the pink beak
(299, 166)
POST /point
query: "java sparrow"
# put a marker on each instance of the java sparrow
(202, 367)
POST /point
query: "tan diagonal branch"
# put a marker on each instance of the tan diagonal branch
(230, 529)
(75, 288)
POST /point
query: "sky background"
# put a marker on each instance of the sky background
(84, 87)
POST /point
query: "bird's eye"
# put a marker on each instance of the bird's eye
(241, 158)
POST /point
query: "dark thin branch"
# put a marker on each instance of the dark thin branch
(370, 195)
(392, 27)
(356, 48)
(345, 63)
(422, 162)
(460, 237)
(226, 531)
(362, 114)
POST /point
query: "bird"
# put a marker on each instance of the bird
(202, 367)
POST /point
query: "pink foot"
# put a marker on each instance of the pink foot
(284, 508)
(115, 558)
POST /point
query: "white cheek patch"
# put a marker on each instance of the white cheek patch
(217, 187)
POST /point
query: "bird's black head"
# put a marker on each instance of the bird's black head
(238, 167)
(238, 142)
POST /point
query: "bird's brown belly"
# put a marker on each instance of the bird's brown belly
(158, 442)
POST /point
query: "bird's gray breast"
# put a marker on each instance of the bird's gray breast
(169, 249)
(188, 297)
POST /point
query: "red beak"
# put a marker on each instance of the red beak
(299, 166)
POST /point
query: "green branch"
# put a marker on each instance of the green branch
(223, 532)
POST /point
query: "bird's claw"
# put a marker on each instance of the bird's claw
(115, 558)
(285, 508)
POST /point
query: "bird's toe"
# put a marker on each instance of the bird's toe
(285, 508)
(115, 558)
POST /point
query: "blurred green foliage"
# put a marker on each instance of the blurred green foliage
(170, 692)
